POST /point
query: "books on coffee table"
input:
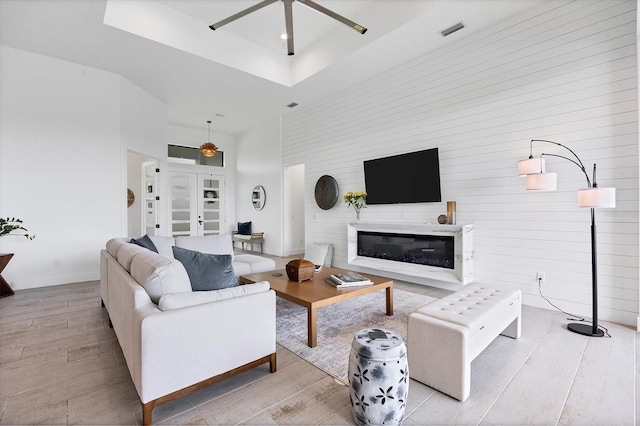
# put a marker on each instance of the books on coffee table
(350, 279)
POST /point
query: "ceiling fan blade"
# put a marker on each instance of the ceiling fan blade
(288, 20)
(241, 14)
(324, 10)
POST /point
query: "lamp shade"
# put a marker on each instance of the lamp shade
(597, 197)
(542, 182)
(531, 166)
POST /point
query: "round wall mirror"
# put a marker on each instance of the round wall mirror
(258, 197)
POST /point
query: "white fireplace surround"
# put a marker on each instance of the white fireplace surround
(462, 273)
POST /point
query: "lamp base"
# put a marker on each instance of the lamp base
(585, 329)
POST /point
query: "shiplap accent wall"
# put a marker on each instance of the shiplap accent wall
(565, 71)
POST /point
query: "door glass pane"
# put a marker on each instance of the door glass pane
(182, 205)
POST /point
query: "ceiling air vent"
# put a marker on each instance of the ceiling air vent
(292, 104)
(452, 29)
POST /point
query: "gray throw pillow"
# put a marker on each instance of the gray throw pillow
(206, 271)
(244, 228)
(145, 242)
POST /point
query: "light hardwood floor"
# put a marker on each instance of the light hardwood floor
(60, 363)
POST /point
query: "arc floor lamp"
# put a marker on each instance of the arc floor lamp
(538, 179)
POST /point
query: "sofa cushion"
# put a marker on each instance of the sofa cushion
(241, 268)
(145, 242)
(244, 228)
(211, 244)
(114, 244)
(256, 263)
(181, 300)
(126, 253)
(164, 244)
(159, 275)
(206, 271)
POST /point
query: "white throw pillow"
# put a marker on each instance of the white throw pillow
(159, 275)
(211, 244)
(317, 253)
(181, 300)
(164, 244)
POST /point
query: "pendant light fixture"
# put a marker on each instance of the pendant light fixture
(209, 149)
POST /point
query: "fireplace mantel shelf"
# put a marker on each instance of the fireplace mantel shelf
(462, 273)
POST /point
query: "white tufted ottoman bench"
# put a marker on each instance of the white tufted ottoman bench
(444, 336)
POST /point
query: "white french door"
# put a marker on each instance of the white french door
(197, 203)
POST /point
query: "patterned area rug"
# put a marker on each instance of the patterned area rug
(338, 323)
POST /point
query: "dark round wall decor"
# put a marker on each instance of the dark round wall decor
(326, 192)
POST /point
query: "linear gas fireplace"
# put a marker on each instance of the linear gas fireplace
(430, 251)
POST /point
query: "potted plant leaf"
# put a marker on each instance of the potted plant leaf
(10, 226)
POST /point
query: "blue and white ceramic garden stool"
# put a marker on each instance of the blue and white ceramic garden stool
(378, 377)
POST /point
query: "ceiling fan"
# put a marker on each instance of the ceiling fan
(288, 17)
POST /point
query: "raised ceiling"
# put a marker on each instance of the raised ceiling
(241, 71)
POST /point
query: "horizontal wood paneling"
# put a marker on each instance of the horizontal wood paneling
(564, 71)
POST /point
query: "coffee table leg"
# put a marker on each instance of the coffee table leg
(312, 329)
(389, 301)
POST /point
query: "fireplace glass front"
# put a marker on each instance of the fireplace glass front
(431, 250)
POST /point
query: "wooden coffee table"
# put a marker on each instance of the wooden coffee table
(315, 293)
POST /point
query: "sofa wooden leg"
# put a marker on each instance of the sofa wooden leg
(272, 362)
(147, 410)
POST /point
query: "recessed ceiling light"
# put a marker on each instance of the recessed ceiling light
(292, 104)
(283, 36)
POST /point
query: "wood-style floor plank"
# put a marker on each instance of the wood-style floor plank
(238, 406)
(604, 367)
(60, 363)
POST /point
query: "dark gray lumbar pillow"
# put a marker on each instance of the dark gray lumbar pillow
(206, 271)
(244, 228)
(145, 242)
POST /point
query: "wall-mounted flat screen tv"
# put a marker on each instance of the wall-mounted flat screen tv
(406, 178)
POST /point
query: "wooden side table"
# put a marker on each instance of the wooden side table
(5, 288)
(254, 238)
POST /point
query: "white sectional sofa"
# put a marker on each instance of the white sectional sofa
(176, 340)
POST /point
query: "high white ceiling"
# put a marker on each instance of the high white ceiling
(241, 71)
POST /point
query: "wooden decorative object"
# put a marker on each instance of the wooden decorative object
(130, 197)
(326, 192)
(300, 270)
(5, 288)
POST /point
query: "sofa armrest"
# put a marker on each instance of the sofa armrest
(184, 346)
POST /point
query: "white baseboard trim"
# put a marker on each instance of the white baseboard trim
(50, 281)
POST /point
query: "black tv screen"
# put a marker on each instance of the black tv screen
(404, 178)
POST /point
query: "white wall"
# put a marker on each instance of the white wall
(60, 168)
(293, 210)
(62, 162)
(564, 71)
(259, 162)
